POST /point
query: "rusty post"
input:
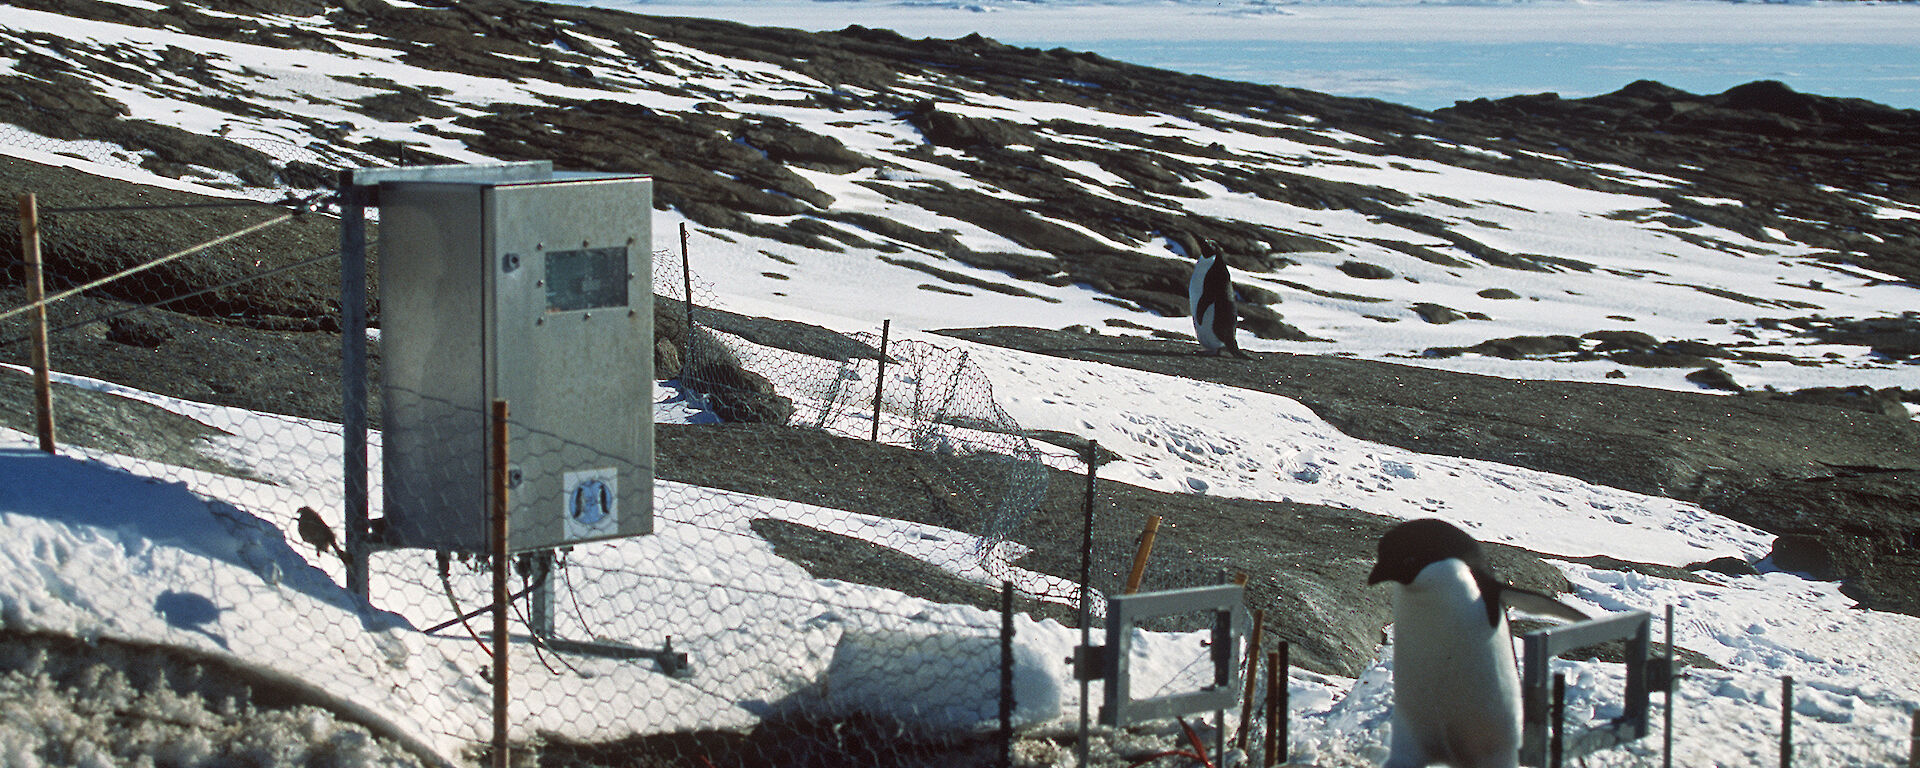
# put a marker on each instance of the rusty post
(1140, 555)
(1253, 678)
(499, 546)
(36, 296)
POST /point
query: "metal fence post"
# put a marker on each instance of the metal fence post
(880, 379)
(499, 547)
(1666, 730)
(1006, 674)
(353, 378)
(686, 283)
(1557, 738)
(1786, 722)
(1913, 748)
(1086, 591)
(36, 295)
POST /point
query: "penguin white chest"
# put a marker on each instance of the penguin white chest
(1197, 284)
(1205, 301)
(1456, 690)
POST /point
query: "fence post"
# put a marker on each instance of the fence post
(1666, 731)
(353, 378)
(686, 285)
(1275, 740)
(1557, 741)
(1253, 673)
(1006, 674)
(1786, 722)
(1913, 748)
(1141, 554)
(499, 546)
(1086, 590)
(36, 295)
(880, 379)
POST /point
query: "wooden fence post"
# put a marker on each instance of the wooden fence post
(36, 295)
(1141, 554)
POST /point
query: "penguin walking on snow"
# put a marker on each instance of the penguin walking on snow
(1210, 302)
(1456, 690)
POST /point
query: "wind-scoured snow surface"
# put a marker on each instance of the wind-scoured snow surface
(97, 546)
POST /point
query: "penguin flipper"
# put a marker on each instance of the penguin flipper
(1529, 601)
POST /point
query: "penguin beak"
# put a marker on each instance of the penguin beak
(1378, 574)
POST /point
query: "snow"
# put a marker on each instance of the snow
(107, 546)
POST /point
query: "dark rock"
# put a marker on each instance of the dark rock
(1500, 294)
(1715, 378)
(785, 142)
(1730, 566)
(1514, 347)
(1657, 358)
(1365, 271)
(1267, 324)
(1436, 314)
(1801, 553)
(1610, 341)
(1885, 402)
(959, 131)
(137, 333)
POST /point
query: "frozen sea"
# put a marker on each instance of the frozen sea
(1424, 54)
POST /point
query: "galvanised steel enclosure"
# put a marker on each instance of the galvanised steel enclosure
(536, 289)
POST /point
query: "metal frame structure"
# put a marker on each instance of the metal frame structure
(1110, 662)
(1644, 672)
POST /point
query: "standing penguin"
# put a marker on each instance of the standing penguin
(1456, 691)
(1210, 301)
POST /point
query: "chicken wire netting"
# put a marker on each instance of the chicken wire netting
(819, 587)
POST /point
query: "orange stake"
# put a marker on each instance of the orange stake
(1140, 556)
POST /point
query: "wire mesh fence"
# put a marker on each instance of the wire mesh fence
(829, 520)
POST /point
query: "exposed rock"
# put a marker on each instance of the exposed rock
(1886, 402)
(1498, 294)
(1514, 347)
(1715, 378)
(1610, 341)
(1806, 554)
(1727, 566)
(1436, 314)
(1365, 271)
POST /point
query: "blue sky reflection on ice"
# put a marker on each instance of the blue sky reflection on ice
(1430, 75)
(1424, 54)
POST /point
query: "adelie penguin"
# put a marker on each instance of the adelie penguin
(1210, 301)
(1456, 690)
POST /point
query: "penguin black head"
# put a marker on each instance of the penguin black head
(1411, 546)
(1206, 248)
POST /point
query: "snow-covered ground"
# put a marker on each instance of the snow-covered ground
(104, 546)
(98, 545)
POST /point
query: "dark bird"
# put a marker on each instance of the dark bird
(314, 531)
